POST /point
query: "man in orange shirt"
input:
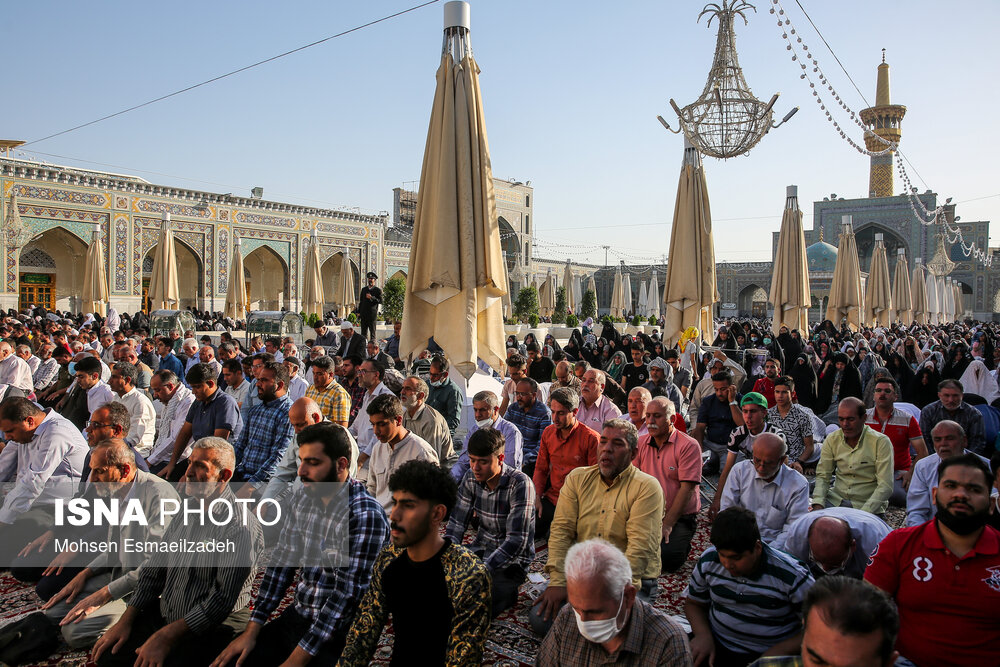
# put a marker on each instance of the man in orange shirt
(565, 444)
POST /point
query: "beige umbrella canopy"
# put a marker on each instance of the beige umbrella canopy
(689, 288)
(627, 307)
(312, 282)
(547, 295)
(345, 297)
(95, 278)
(878, 291)
(164, 294)
(959, 306)
(653, 297)
(933, 309)
(617, 294)
(901, 299)
(571, 304)
(457, 275)
(918, 294)
(846, 299)
(790, 279)
(591, 285)
(236, 293)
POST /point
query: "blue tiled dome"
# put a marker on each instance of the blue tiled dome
(822, 257)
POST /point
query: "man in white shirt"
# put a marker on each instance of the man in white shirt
(766, 486)
(190, 349)
(24, 351)
(370, 375)
(142, 427)
(88, 378)
(48, 368)
(177, 400)
(236, 385)
(296, 385)
(949, 440)
(44, 460)
(836, 540)
(394, 445)
(207, 356)
(14, 370)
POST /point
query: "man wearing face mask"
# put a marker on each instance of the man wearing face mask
(486, 409)
(604, 621)
(945, 574)
(837, 540)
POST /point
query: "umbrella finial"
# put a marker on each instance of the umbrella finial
(457, 15)
(792, 191)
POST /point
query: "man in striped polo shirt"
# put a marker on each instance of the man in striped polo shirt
(744, 598)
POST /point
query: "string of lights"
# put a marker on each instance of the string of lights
(926, 216)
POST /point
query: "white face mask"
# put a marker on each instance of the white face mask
(436, 383)
(602, 630)
(484, 423)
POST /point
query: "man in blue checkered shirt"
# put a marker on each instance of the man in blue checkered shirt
(503, 498)
(332, 538)
(267, 431)
(530, 416)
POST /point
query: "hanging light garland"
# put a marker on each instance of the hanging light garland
(926, 216)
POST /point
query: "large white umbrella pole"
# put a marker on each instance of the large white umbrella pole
(95, 278)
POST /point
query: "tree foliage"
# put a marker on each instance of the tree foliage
(526, 304)
(559, 316)
(392, 299)
(588, 307)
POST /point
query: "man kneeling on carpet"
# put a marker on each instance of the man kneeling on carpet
(186, 608)
(611, 623)
(315, 627)
(438, 593)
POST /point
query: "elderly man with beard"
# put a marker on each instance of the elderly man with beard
(674, 459)
(612, 624)
(186, 606)
(595, 408)
(425, 421)
(98, 590)
(614, 500)
(437, 592)
(315, 627)
(945, 574)
(486, 410)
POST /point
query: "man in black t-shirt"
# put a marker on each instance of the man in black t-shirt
(540, 368)
(438, 593)
(637, 373)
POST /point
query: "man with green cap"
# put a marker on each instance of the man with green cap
(741, 439)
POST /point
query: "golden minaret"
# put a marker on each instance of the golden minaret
(884, 120)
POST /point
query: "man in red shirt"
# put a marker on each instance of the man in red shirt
(765, 385)
(903, 431)
(945, 574)
(565, 444)
(674, 459)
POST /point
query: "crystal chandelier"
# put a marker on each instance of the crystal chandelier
(940, 264)
(16, 233)
(726, 120)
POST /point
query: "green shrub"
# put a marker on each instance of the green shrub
(559, 316)
(393, 295)
(636, 321)
(572, 321)
(526, 304)
(588, 305)
(354, 319)
(652, 321)
(533, 320)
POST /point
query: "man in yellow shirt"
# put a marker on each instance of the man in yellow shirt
(860, 458)
(612, 500)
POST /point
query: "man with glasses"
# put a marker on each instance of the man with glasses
(445, 396)
(529, 416)
(425, 421)
(834, 541)
(903, 432)
(370, 375)
(766, 486)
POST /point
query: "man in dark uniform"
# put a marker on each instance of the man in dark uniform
(368, 304)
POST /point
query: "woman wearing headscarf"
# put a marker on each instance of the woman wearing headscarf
(113, 321)
(957, 360)
(924, 390)
(838, 379)
(614, 368)
(574, 346)
(878, 373)
(977, 379)
(911, 352)
(901, 373)
(804, 375)
(550, 341)
(512, 343)
(611, 334)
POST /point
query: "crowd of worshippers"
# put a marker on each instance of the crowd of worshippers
(600, 451)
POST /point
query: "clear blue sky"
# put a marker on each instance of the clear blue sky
(571, 93)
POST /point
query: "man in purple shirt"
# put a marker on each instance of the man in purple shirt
(486, 408)
(595, 407)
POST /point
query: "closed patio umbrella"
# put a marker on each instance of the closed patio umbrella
(164, 294)
(457, 275)
(236, 291)
(312, 282)
(959, 305)
(918, 294)
(571, 302)
(846, 298)
(641, 307)
(591, 285)
(689, 287)
(547, 295)
(95, 278)
(901, 298)
(653, 297)
(345, 297)
(627, 306)
(577, 291)
(949, 300)
(878, 291)
(790, 278)
(933, 310)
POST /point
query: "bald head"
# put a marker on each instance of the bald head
(948, 438)
(769, 454)
(830, 543)
(304, 412)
